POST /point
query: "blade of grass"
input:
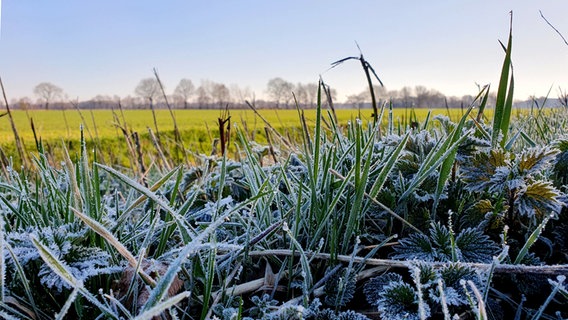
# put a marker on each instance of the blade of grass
(500, 104)
(163, 306)
(161, 289)
(113, 241)
(185, 229)
(447, 165)
(61, 270)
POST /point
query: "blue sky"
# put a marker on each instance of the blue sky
(107, 46)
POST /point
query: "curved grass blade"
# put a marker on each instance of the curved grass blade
(113, 241)
(20, 272)
(61, 270)
(161, 307)
(161, 289)
(67, 305)
(500, 104)
(185, 229)
(531, 240)
(448, 163)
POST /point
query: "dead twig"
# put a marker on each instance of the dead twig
(500, 268)
(550, 24)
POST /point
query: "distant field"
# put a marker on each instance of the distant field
(197, 128)
(57, 124)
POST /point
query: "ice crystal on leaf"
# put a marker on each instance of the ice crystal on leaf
(64, 242)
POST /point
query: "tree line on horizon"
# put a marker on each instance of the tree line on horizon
(279, 94)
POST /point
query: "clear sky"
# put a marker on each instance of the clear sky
(107, 46)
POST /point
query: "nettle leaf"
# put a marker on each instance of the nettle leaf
(451, 276)
(471, 245)
(475, 246)
(374, 286)
(399, 300)
(442, 240)
(340, 288)
(416, 247)
(481, 168)
(500, 179)
(534, 160)
(539, 199)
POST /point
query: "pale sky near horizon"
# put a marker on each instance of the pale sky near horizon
(106, 47)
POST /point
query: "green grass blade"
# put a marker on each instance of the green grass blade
(61, 270)
(387, 168)
(436, 160)
(448, 163)
(502, 90)
(161, 289)
(184, 228)
(163, 306)
(531, 240)
(507, 110)
(113, 241)
(70, 299)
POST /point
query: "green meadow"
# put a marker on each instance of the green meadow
(103, 129)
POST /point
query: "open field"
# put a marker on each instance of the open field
(64, 124)
(198, 128)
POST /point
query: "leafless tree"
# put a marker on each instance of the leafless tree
(312, 91)
(149, 89)
(220, 94)
(184, 90)
(358, 100)
(301, 92)
(203, 97)
(240, 95)
(48, 92)
(279, 90)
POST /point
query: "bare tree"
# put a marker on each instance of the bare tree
(203, 96)
(240, 95)
(48, 92)
(184, 90)
(312, 91)
(279, 90)
(149, 89)
(358, 100)
(220, 93)
(301, 92)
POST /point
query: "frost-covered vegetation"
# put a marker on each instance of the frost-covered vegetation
(440, 219)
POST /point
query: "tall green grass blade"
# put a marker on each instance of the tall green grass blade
(362, 167)
(427, 120)
(531, 240)
(434, 159)
(210, 277)
(185, 229)
(448, 163)
(500, 104)
(161, 289)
